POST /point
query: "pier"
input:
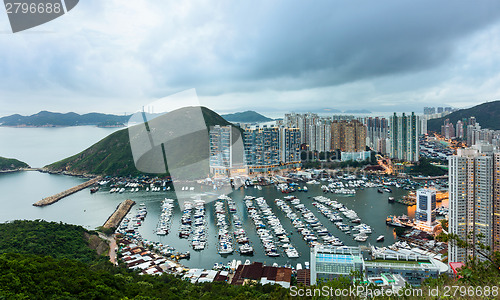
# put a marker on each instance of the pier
(121, 211)
(52, 199)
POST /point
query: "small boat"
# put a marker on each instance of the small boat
(380, 191)
(380, 238)
(391, 199)
(94, 189)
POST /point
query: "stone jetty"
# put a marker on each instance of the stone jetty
(121, 211)
(59, 196)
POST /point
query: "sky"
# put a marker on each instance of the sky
(270, 56)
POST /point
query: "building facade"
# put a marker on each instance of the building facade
(290, 141)
(348, 136)
(404, 132)
(474, 175)
(226, 156)
(425, 214)
(377, 133)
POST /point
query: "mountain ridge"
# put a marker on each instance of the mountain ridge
(54, 119)
(486, 115)
(248, 116)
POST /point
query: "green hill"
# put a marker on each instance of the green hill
(58, 240)
(248, 116)
(113, 155)
(486, 114)
(11, 164)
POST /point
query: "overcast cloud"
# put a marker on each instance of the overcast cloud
(114, 56)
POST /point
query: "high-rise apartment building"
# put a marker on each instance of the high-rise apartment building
(262, 148)
(226, 156)
(474, 204)
(404, 132)
(306, 125)
(429, 110)
(322, 136)
(289, 140)
(348, 136)
(459, 130)
(377, 133)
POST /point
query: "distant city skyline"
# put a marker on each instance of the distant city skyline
(301, 56)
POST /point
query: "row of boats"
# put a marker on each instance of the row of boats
(225, 245)
(193, 224)
(165, 220)
(307, 224)
(324, 204)
(263, 216)
(239, 234)
(338, 191)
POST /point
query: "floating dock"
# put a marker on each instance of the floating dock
(52, 199)
(121, 211)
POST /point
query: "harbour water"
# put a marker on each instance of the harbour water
(20, 190)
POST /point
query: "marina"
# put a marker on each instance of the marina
(91, 211)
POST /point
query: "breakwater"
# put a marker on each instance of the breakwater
(121, 211)
(54, 198)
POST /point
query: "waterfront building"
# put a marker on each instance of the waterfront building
(474, 185)
(226, 156)
(328, 263)
(425, 214)
(404, 132)
(271, 148)
(412, 266)
(348, 136)
(262, 148)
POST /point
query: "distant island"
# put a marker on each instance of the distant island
(486, 114)
(357, 111)
(10, 164)
(53, 119)
(248, 116)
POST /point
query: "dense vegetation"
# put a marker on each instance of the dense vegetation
(47, 239)
(425, 168)
(486, 114)
(46, 118)
(11, 164)
(248, 116)
(113, 155)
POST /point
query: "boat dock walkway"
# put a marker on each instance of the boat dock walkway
(52, 199)
(121, 211)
